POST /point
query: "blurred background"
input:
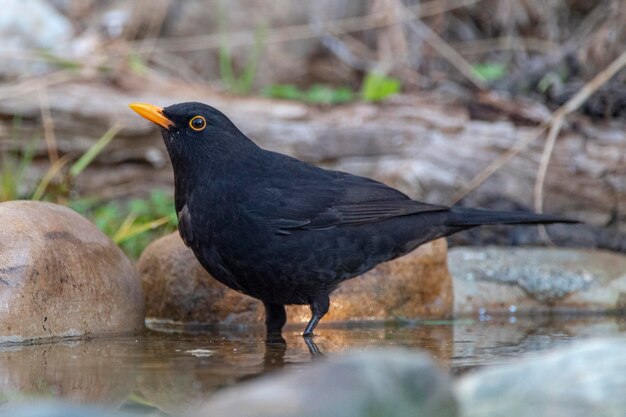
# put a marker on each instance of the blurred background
(510, 104)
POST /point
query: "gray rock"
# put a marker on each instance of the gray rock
(60, 276)
(536, 280)
(588, 379)
(381, 383)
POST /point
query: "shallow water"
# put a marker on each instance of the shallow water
(173, 369)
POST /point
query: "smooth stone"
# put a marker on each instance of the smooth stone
(385, 383)
(588, 379)
(177, 288)
(60, 276)
(536, 280)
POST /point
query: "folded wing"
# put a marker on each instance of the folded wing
(333, 200)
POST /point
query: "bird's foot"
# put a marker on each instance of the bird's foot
(275, 339)
(313, 349)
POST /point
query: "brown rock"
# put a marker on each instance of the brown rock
(177, 288)
(60, 276)
(416, 285)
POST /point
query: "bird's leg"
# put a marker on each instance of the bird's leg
(319, 307)
(275, 318)
(313, 349)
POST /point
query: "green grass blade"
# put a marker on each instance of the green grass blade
(129, 230)
(244, 83)
(49, 176)
(84, 161)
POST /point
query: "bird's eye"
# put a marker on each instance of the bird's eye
(197, 123)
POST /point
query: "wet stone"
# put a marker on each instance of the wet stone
(177, 288)
(375, 383)
(588, 379)
(536, 280)
(60, 276)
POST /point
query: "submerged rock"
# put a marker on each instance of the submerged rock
(383, 383)
(537, 280)
(584, 380)
(177, 288)
(61, 276)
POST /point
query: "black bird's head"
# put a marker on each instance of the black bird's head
(195, 133)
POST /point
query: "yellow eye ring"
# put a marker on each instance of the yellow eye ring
(197, 123)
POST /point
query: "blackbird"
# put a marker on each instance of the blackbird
(286, 232)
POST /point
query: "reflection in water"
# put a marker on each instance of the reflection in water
(174, 371)
(80, 371)
(274, 356)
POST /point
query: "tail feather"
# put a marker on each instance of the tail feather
(461, 216)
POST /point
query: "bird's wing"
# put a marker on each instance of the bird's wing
(337, 199)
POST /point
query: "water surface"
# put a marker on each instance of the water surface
(169, 370)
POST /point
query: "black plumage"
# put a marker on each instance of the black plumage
(284, 231)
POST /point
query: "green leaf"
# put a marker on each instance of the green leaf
(283, 91)
(377, 87)
(321, 94)
(489, 71)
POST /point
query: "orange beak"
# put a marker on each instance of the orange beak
(152, 113)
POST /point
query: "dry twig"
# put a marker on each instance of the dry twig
(555, 128)
(572, 105)
(440, 45)
(483, 46)
(48, 126)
